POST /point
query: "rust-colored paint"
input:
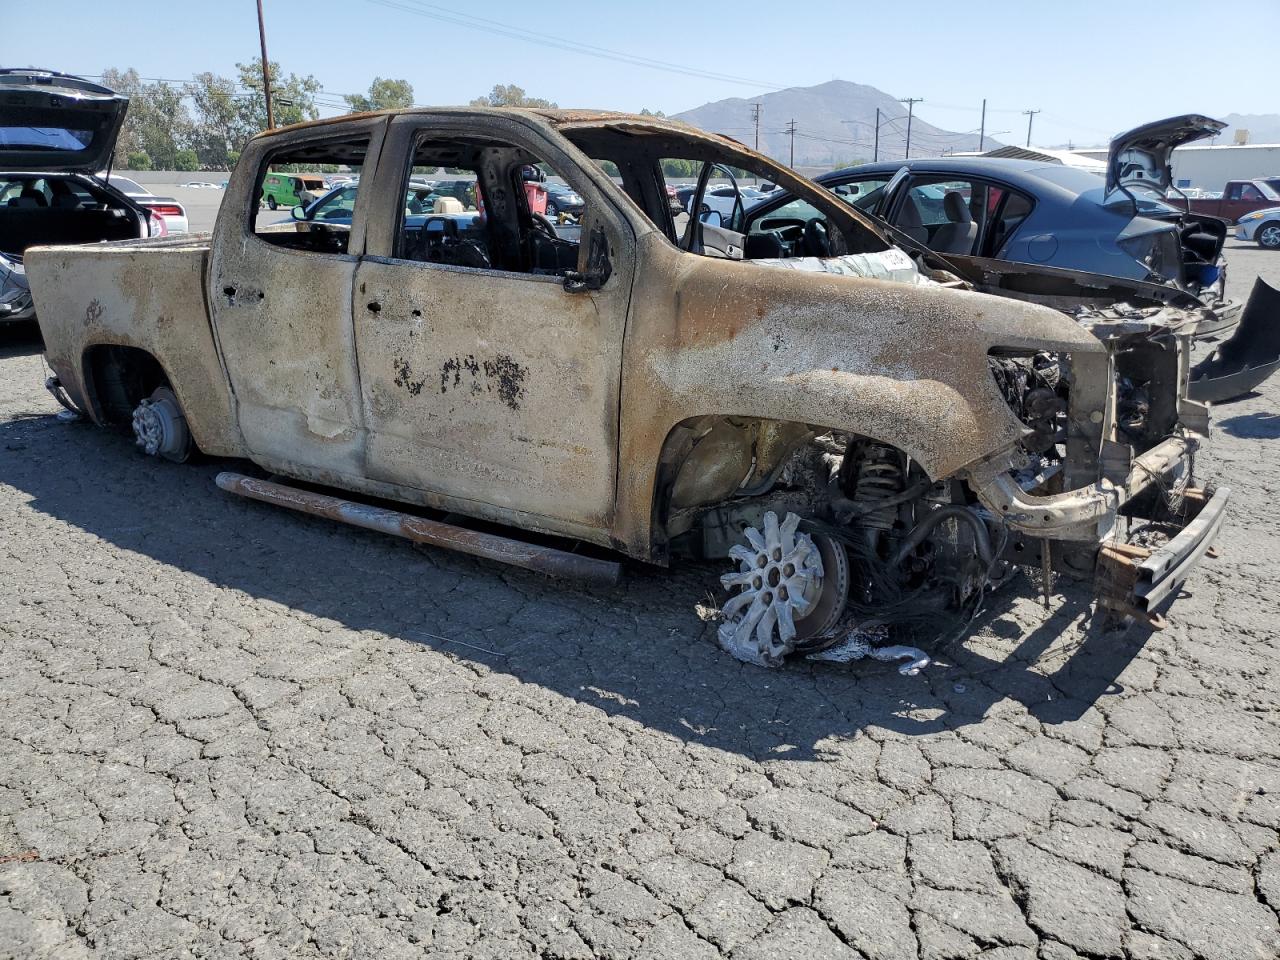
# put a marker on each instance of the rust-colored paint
(549, 560)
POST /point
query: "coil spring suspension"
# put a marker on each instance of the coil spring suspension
(880, 475)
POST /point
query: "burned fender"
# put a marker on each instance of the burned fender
(1249, 357)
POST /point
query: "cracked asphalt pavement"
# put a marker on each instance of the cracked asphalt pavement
(228, 730)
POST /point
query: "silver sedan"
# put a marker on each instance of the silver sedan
(1262, 226)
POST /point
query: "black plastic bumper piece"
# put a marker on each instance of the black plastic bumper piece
(1249, 357)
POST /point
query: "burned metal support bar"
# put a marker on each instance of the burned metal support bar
(548, 560)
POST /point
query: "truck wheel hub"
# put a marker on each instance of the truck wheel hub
(160, 428)
(785, 592)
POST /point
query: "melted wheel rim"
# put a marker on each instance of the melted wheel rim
(781, 583)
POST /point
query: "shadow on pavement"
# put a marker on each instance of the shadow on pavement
(1253, 426)
(636, 651)
(20, 339)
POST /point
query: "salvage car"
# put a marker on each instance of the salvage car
(562, 200)
(55, 131)
(1040, 212)
(985, 209)
(870, 436)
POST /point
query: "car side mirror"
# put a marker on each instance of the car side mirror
(706, 216)
(598, 269)
(299, 213)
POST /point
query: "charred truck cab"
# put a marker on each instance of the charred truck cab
(872, 435)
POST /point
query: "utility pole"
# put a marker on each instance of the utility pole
(982, 130)
(755, 116)
(911, 104)
(266, 69)
(1030, 115)
(876, 154)
(791, 129)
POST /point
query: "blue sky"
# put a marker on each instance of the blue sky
(1091, 69)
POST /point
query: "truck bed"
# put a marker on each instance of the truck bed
(147, 295)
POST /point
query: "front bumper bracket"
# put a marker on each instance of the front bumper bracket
(1135, 581)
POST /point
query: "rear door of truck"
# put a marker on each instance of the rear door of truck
(280, 294)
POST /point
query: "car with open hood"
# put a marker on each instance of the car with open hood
(867, 435)
(1037, 212)
(56, 130)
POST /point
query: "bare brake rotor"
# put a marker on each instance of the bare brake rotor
(791, 592)
(160, 427)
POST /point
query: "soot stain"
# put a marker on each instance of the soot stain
(509, 377)
(501, 375)
(404, 377)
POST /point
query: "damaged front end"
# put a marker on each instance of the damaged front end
(840, 540)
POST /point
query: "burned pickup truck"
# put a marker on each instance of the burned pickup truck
(871, 437)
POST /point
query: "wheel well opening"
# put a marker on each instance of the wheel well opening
(710, 459)
(118, 378)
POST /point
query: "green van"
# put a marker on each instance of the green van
(291, 189)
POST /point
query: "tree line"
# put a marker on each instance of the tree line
(204, 124)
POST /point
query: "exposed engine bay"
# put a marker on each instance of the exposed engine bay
(832, 532)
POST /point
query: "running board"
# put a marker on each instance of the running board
(548, 560)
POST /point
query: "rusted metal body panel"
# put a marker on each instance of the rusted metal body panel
(904, 364)
(500, 391)
(543, 559)
(283, 319)
(147, 294)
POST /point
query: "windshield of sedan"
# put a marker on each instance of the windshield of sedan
(1092, 185)
(1145, 199)
(337, 206)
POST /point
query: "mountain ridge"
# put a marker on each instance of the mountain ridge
(835, 125)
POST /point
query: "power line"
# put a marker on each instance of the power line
(483, 25)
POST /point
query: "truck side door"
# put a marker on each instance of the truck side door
(280, 298)
(1238, 199)
(487, 380)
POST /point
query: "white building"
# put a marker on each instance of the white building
(1210, 167)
